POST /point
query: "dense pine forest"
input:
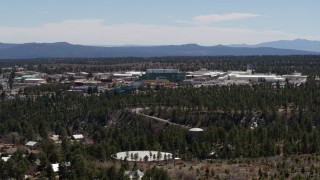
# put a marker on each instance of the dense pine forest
(263, 64)
(240, 121)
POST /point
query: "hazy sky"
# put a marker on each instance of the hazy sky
(156, 22)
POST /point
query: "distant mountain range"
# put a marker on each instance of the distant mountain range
(297, 44)
(66, 50)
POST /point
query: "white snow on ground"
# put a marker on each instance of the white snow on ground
(140, 155)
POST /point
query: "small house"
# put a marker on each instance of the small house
(77, 137)
(32, 145)
(55, 167)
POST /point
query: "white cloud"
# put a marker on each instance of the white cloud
(94, 31)
(215, 18)
(212, 18)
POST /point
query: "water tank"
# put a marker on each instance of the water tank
(195, 132)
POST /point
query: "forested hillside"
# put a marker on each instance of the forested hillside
(242, 121)
(287, 122)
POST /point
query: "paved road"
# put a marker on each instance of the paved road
(138, 111)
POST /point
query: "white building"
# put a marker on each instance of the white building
(119, 75)
(5, 159)
(135, 73)
(31, 143)
(204, 73)
(248, 72)
(254, 78)
(83, 74)
(55, 167)
(35, 81)
(77, 136)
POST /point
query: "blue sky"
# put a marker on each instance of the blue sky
(150, 22)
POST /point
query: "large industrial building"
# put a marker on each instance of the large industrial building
(204, 73)
(205, 77)
(172, 75)
(255, 78)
